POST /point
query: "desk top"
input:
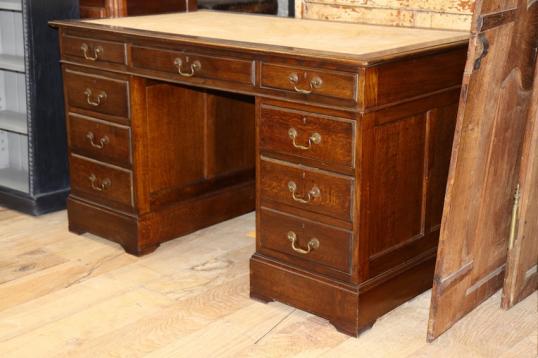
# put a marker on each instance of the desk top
(359, 41)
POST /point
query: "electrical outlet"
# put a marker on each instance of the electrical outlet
(4, 150)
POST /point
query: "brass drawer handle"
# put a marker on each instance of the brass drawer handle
(195, 66)
(315, 83)
(96, 52)
(101, 97)
(104, 185)
(315, 138)
(102, 142)
(312, 194)
(312, 245)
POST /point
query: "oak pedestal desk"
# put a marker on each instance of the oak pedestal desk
(339, 135)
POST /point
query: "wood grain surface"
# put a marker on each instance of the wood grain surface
(521, 277)
(436, 14)
(486, 158)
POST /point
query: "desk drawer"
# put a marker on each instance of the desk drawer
(100, 140)
(101, 183)
(191, 65)
(324, 139)
(303, 240)
(311, 83)
(95, 52)
(96, 94)
(307, 188)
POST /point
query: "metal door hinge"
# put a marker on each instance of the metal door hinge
(482, 50)
(514, 219)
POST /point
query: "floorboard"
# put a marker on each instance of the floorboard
(63, 295)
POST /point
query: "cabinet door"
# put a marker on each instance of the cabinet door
(521, 268)
(484, 171)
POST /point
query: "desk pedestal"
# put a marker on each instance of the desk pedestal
(154, 161)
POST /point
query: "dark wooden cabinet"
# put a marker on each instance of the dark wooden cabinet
(118, 8)
(251, 6)
(33, 164)
(347, 151)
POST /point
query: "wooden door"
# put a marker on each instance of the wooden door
(484, 170)
(521, 268)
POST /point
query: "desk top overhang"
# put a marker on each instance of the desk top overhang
(358, 43)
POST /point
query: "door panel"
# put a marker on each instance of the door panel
(521, 267)
(494, 104)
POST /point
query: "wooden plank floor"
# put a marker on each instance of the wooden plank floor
(63, 295)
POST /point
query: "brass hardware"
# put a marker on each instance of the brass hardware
(312, 245)
(101, 143)
(315, 83)
(515, 216)
(312, 194)
(96, 52)
(104, 185)
(100, 97)
(315, 138)
(195, 66)
(483, 49)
